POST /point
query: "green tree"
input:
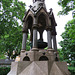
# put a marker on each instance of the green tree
(67, 6)
(68, 43)
(60, 51)
(11, 14)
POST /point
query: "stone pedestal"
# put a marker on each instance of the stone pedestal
(39, 68)
(38, 63)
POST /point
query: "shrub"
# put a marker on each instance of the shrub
(4, 70)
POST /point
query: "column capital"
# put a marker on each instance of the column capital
(54, 33)
(34, 49)
(50, 49)
(22, 51)
(48, 28)
(35, 26)
(25, 30)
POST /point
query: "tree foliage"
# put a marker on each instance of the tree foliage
(11, 14)
(68, 43)
(67, 6)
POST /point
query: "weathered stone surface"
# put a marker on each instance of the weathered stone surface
(14, 67)
(55, 70)
(34, 69)
(35, 55)
(22, 65)
(39, 68)
(37, 61)
(63, 67)
(59, 68)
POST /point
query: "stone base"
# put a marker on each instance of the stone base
(39, 68)
(36, 55)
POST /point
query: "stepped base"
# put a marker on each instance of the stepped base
(39, 68)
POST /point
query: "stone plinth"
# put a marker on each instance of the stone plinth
(36, 55)
(39, 68)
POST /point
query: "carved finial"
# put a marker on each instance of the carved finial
(30, 6)
(50, 11)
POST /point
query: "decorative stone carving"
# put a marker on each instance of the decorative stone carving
(39, 61)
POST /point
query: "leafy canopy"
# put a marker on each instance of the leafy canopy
(11, 14)
(67, 6)
(68, 43)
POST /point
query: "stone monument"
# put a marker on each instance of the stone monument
(39, 61)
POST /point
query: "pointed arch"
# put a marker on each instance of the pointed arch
(44, 13)
(29, 24)
(42, 22)
(42, 18)
(29, 21)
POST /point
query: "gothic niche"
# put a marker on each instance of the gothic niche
(26, 58)
(29, 24)
(43, 58)
(41, 28)
(41, 25)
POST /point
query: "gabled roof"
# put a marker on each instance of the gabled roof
(27, 14)
(35, 12)
(39, 9)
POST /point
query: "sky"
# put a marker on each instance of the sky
(60, 20)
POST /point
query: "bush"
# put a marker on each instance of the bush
(72, 70)
(4, 70)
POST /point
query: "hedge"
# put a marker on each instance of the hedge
(4, 70)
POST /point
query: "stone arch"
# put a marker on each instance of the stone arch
(44, 15)
(26, 58)
(42, 22)
(43, 58)
(29, 23)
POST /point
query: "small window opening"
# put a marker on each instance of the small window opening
(43, 58)
(26, 58)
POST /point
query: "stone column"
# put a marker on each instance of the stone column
(34, 34)
(54, 42)
(25, 31)
(24, 41)
(34, 38)
(49, 39)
